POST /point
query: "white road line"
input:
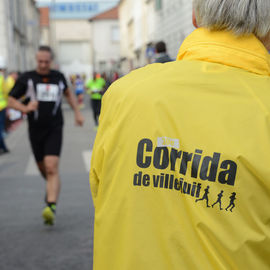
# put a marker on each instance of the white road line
(87, 159)
(31, 168)
(16, 136)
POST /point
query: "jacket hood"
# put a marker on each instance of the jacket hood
(223, 47)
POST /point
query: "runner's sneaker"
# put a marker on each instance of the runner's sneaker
(48, 216)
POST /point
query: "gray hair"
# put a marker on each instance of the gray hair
(240, 16)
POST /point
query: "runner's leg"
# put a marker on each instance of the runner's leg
(94, 107)
(41, 167)
(37, 140)
(53, 185)
(52, 150)
(98, 109)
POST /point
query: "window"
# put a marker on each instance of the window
(158, 4)
(115, 34)
(102, 66)
(74, 51)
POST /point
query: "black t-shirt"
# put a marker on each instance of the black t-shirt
(48, 91)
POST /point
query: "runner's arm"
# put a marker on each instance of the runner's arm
(17, 105)
(73, 104)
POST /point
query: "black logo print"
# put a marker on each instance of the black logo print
(205, 196)
(220, 195)
(231, 205)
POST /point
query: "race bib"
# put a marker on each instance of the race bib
(47, 92)
(95, 90)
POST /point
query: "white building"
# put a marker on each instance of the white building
(106, 41)
(136, 19)
(32, 33)
(173, 22)
(72, 45)
(145, 22)
(19, 33)
(70, 33)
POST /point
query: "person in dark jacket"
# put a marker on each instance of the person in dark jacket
(161, 53)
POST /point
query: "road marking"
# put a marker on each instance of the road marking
(31, 168)
(87, 159)
(16, 135)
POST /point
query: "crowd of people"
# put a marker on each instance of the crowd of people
(95, 87)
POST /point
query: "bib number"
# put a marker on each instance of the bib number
(47, 92)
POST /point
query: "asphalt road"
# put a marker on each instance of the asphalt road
(25, 243)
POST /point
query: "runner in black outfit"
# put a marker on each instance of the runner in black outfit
(44, 88)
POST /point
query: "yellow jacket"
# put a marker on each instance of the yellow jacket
(180, 173)
(8, 85)
(3, 99)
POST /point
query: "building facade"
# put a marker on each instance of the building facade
(136, 19)
(32, 33)
(45, 29)
(72, 46)
(145, 22)
(106, 41)
(173, 21)
(70, 33)
(19, 33)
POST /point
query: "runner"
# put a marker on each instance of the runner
(79, 90)
(95, 90)
(44, 88)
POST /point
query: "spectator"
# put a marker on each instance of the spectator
(171, 134)
(10, 82)
(11, 115)
(3, 105)
(161, 53)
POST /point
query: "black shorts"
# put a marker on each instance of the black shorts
(46, 141)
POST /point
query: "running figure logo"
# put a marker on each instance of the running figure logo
(220, 195)
(205, 196)
(231, 205)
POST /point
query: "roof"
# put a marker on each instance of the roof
(111, 14)
(44, 16)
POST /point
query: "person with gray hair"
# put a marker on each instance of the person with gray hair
(239, 16)
(171, 133)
